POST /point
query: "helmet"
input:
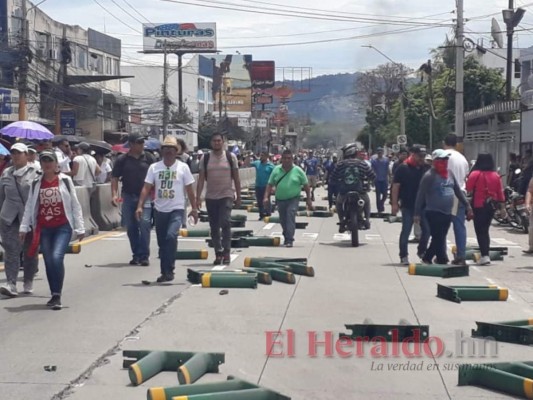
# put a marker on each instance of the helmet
(349, 150)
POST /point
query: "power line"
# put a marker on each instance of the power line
(126, 11)
(134, 9)
(117, 18)
(270, 11)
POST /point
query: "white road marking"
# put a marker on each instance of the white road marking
(503, 241)
(372, 237)
(276, 234)
(339, 237)
(218, 268)
(312, 236)
(269, 226)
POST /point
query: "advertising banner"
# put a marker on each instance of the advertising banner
(263, 74)
(180, 37)
(232, 85)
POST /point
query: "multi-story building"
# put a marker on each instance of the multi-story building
(68, 76)
(147, 93)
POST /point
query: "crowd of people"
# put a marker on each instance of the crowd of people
(39, 209)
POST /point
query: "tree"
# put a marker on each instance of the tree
(182, 116)
(207, 126)
(482, 86)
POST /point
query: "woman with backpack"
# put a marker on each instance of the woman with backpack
(485, 185)
(52, 213)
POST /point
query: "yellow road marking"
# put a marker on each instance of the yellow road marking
(83, 242)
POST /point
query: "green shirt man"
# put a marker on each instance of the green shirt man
(288, 184)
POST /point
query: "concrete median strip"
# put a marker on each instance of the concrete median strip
(192, 255)
(391, 333)
(472, 293)
(519, 331)
(223, 279)
(442, 271)
(231, 389)
(190, 366)
(512, 378)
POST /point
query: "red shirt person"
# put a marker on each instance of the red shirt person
(486, 188)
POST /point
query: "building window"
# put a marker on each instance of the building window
(81, 57)
(116, 67)
(96, 63)
(42, 44)
(108, 66)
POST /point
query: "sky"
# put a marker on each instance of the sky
(329, 39)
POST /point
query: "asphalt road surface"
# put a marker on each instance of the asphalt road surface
(76, 353)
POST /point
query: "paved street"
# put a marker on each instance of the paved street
(108, 309)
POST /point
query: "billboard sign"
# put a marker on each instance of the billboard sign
(68, 121)
(180, 37)
(232, 86)
(263, 98)
(263, 74)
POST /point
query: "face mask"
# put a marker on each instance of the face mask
(441, 166)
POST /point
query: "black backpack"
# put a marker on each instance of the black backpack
(228, 157)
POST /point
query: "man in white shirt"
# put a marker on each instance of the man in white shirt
(105, 168)
(63, 153)
(458, 166)
(170, 179)
(84, 167)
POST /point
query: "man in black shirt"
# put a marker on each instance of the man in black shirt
(131, 169)
(352, 174)
(404, 190)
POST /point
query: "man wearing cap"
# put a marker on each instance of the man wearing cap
(436, 196)
(170, 179)
(263, 169)
(195, 163)
(15, 185)
(405, 186)
(458, 166)
(131, 169)
(85, 169)
(380, 165)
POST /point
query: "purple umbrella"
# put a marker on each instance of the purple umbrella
(27, 130)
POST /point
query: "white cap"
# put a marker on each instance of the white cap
(20, 147)
(200, 152)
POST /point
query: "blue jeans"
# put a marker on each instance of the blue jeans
(459, 230)
(287, 217)
(259, 195)
(407, 225)
(54, 243)
(138, 231)
(167, 225)
(382, 189)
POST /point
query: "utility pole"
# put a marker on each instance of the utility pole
(60, 97)
(509, 71)
(459, 72)
(23, 68)
(165, 92)
(402, 108)
(180, 83)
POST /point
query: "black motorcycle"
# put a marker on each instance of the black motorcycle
(354, 215)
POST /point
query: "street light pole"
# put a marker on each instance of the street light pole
(402, 83)
(459, 72)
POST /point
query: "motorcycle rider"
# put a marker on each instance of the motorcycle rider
(350, 175)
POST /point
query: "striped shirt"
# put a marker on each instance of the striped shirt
(219, 182)
(342, 175)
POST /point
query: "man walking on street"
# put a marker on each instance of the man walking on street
(219, 170)
(131, 169)
(380, 165)
(311, 170)
(405, 185)
(171, 179)
(458, 166)
(263, 169)
(288, 179)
